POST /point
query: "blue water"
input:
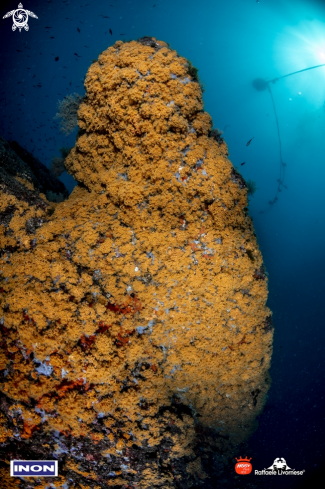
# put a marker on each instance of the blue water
(231, 42)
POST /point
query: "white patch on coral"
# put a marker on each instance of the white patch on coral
(44, 368)
(64, 373)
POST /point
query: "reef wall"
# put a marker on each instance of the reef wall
(136, 340)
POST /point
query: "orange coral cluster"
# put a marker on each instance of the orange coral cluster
(137, 317)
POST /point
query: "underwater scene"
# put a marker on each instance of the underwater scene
(162, 233)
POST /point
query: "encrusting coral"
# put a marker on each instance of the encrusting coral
(136, 340)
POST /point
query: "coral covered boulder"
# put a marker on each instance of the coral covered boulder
(135, 335)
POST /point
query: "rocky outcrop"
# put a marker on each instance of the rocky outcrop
(135, 333)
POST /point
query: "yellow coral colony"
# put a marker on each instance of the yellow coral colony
(136, 340)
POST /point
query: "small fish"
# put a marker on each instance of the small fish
(48, 27)
(249, 142)
(243, 163)
(57, 58)
(76, 54)
(51, 37)
(110, 31)
(78, 30)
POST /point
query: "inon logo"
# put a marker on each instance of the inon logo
(34, 468)
(243, 467)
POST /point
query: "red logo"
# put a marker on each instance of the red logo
(243, 467)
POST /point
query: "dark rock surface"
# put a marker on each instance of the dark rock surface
(17, 161)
